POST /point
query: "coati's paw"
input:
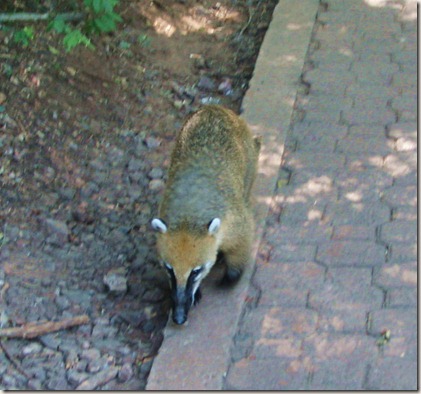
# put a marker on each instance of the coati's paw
(232, 275)
(197, 296)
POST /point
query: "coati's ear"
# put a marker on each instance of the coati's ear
(159, 225)
(214, 225)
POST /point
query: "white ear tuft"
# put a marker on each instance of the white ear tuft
(214, 226)
(159, 225)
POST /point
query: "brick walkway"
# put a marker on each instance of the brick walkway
(337, 269)
(332, 301)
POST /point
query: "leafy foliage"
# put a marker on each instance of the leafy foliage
(24, 36)
(101, 18)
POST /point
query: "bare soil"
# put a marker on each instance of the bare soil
(85, 139)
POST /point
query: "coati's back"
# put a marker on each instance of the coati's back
(212, 167)
(205, 206)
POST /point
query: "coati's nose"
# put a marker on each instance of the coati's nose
(179, 316)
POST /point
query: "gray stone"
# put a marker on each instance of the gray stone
(116, 280)
(125, 373)
(32, 348)
(74, 377)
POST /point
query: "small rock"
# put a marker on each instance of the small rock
(9, 380)
(156, 184)
(62, 302)
(135, 165)
(116, 280)
(59, 229)
(103, 331)
(71, 359)
(205, 83)
(51, 341)
(96, 365)
(95, 126)
(34, 384)
(90, 354)
(74, 377)
(88, 190)
(99, 379)
(210, 100)
(225, 86)
(125, 373)
(2, 97)
(155, 173)
(81, 365)
(152, 142)
(58, 383)
(32, 348)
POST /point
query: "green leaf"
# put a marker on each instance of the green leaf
(97, 5)
(109, 5)
(74, 38)
(59, 25)
(53, 50)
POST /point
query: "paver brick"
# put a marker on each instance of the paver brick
(362, 185)
(361, 212)
(321, 161)
(397, 196)
(399, 231)
(406, 107)
(397, 276)
(403, 252)
(354, 233)
(401, 129)
(287, 284)
(319, 143)
(319, 129)
(339, 362)
(278, 331)
(400, 164)
(402, 324)
(393, 373)
(346, 289)
(347, 320)
(308, 212)
(365, 145)
(290, 234)
(351, 253)
(293, 252)
(402, 297)
(407, 81)
(405, 213)
(277, 373)
(368, 116)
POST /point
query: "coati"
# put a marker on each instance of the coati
(205, 210)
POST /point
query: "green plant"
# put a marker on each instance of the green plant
(101, 18)
(24, 36)
(144, 40)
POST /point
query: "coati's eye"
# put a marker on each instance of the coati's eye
(168, 267)
(196, 271)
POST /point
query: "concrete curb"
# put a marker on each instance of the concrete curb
(197, 355)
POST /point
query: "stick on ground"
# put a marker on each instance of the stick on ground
(33, 330)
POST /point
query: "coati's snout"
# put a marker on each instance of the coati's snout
(183, 299)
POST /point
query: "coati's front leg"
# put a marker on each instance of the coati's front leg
(235, 260)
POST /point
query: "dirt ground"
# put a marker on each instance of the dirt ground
(85, 139)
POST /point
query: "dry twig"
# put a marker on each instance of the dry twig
(33, 330)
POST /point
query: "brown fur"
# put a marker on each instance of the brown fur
(212, 170)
